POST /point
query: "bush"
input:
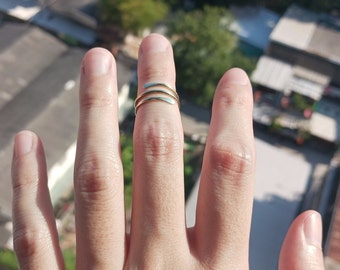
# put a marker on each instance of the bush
(8, 260)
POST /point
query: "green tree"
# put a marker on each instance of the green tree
(127, 160)
(132, 15)
(204, 49)
(8, 259)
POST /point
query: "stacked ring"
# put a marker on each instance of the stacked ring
(166, 94)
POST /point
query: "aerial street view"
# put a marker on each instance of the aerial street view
(291, 54)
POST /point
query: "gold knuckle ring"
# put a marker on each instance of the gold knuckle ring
(165, 94)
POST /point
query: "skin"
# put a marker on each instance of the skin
(159, 238)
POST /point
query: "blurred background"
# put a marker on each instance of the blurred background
(290, 50)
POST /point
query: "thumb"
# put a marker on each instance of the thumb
(301, 248)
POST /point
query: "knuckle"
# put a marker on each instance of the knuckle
(23, 180)
(151, 71)
(27, 242)
(237, 97)
(160, 140)
(232, 159)
(94, 175)
(96, 98)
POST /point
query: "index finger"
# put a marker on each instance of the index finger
(98, 177)
(225, 197)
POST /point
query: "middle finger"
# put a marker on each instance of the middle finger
(158, 218)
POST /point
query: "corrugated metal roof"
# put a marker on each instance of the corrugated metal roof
(272, 73)
(305, 87)
(283, 77)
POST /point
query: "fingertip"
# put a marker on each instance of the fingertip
(97, 62)
(154, 43)
(235, 88)
(235, 76)
(312, 229)
(23, 142)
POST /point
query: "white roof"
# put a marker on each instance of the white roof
(311, 75)
(324, 127)
(296, 28)
(283, 77)
(272, 73)
(305, 87)
(325, 122)
(316, 33)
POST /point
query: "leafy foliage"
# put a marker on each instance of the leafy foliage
(204, 49)
(69, 258)
(301, 102)
(132, 15)
(127, 160)
(8, 260)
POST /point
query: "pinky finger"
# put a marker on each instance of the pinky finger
(34, 229)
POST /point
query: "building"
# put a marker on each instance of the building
(72, 20)
(310, 40)
(253, 26)
(297, 94)
(300, 75)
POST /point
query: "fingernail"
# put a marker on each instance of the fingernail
(237, 76)
(154, 43)
(97, 62)
(23, 143)
(312, 229)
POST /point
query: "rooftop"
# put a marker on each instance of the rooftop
(325, 121)
(283, 77)
(272, 73)
(315, 33)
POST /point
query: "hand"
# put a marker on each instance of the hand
(159, 238)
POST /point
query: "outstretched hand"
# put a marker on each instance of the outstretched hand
(159, 238)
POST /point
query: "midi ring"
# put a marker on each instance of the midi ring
(167, 86)
(168, 95)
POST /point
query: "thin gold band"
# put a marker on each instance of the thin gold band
(167, 86)
(168, 95)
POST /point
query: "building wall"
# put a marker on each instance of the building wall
(282, 52)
